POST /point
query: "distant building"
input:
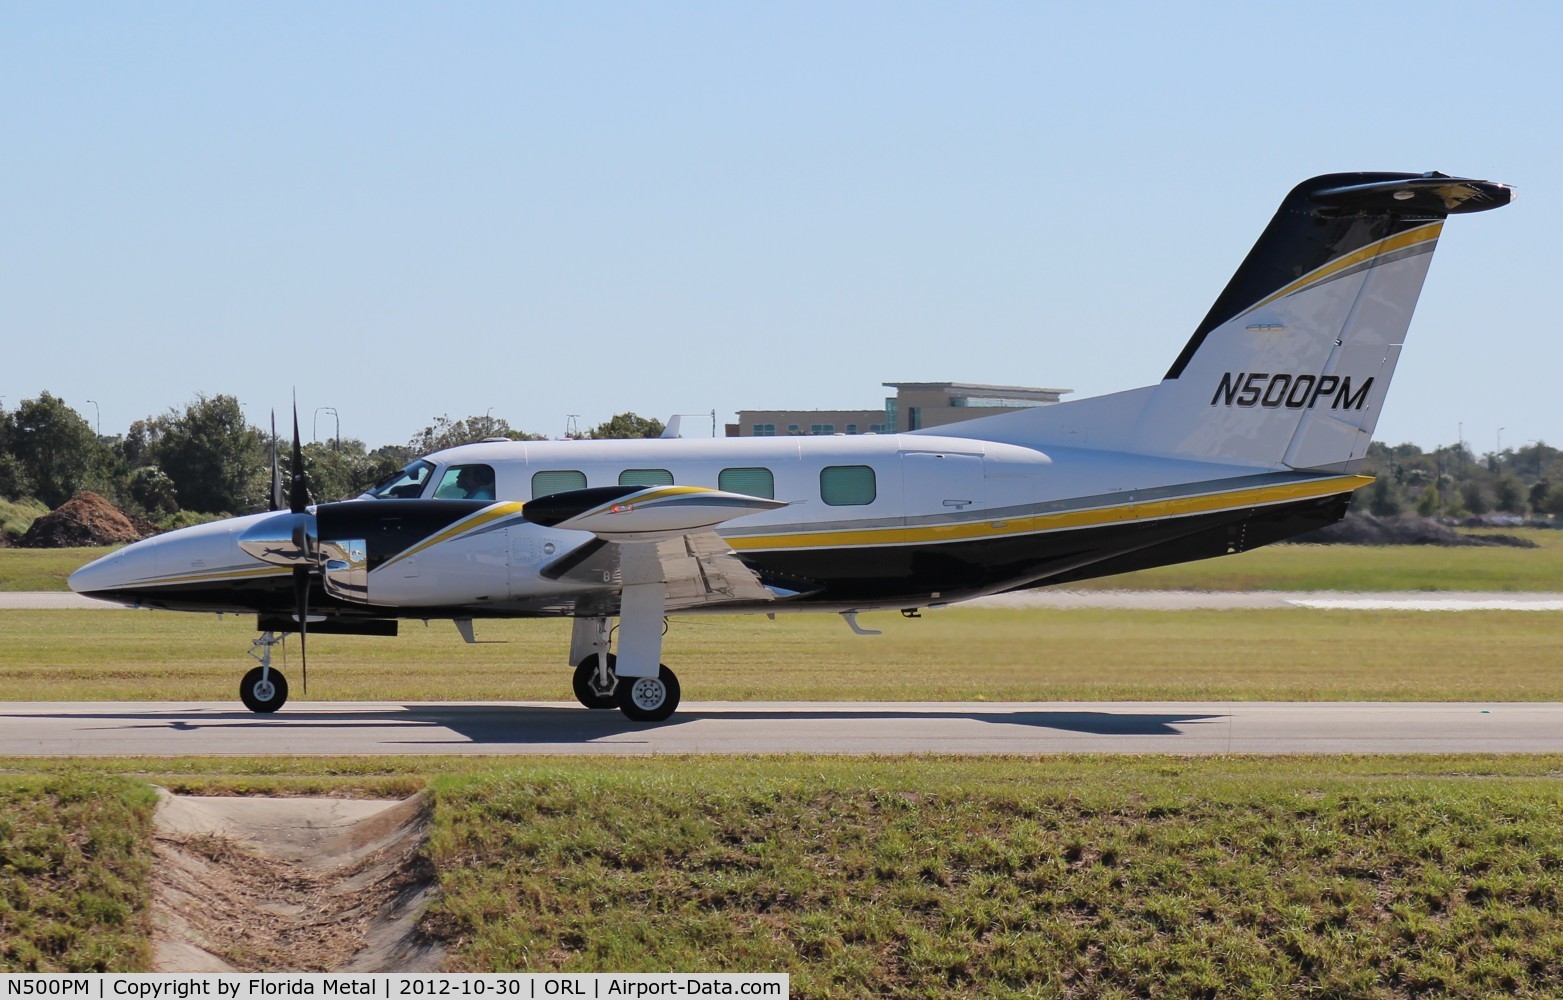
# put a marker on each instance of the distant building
(914, 406)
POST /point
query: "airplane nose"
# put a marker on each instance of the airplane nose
(102, 577)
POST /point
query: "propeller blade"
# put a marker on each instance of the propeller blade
(276, 473)
(301, 602)
(298, 499)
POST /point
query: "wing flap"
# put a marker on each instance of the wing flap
(698, 568)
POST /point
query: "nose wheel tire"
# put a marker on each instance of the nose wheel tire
(266, 695)
(648, 699)
(587, 689)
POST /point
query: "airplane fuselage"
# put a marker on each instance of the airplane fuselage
(871, 521)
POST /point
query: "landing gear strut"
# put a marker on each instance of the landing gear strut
(632, 681)
(263, 689)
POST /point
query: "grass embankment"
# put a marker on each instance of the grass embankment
(958, 654)
(74, 856)
(937, 877)
(1106, 876)
(16, 516)
(934, 878)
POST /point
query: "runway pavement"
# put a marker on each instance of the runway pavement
(167, 728)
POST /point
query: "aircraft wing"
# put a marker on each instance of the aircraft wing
(655, 535)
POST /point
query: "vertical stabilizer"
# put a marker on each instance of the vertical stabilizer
(1292, 363)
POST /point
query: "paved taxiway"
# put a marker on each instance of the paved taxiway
(170, 728)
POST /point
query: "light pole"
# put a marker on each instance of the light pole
(314, 427)
(98, 414)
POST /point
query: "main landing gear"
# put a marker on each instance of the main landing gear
(600, 683)
(263, 689)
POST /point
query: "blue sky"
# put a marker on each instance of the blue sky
(542, 209)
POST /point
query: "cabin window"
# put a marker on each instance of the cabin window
(645, 477)
(466, 482)
(847, 485)
(749, 482)
(404, 484)
(557, 481)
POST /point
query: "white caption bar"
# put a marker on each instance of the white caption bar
(391, 986)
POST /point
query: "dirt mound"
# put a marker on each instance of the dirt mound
(283, 885)
(84, 519)
(1361, 528)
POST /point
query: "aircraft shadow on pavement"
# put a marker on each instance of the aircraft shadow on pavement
(487, 725)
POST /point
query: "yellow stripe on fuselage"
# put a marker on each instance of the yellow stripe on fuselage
(1400, 241)
(1149, 510)
(218, 576)
(483, 517)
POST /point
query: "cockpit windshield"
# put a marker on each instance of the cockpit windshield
(404, 484)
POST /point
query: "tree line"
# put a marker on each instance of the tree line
(205, 459)
(1455, 482)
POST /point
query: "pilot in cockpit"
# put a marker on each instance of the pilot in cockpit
(476, 482)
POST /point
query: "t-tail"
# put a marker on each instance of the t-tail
(1290, 367)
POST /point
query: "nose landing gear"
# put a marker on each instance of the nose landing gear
(263, 690)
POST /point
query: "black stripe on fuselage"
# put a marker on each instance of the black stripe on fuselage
(391, 527)
(915, 573)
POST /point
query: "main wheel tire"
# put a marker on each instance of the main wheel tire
(263, 696)
(585, 684)
(648, 699)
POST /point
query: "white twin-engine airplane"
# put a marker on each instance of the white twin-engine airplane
(1253, 436)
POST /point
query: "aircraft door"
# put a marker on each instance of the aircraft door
(941, 482)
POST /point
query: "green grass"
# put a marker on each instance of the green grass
(1361, 567)
(74, 857)
(928, 877)
(956, 654)
(16, 516)
(1364, 876)
(43, 569)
